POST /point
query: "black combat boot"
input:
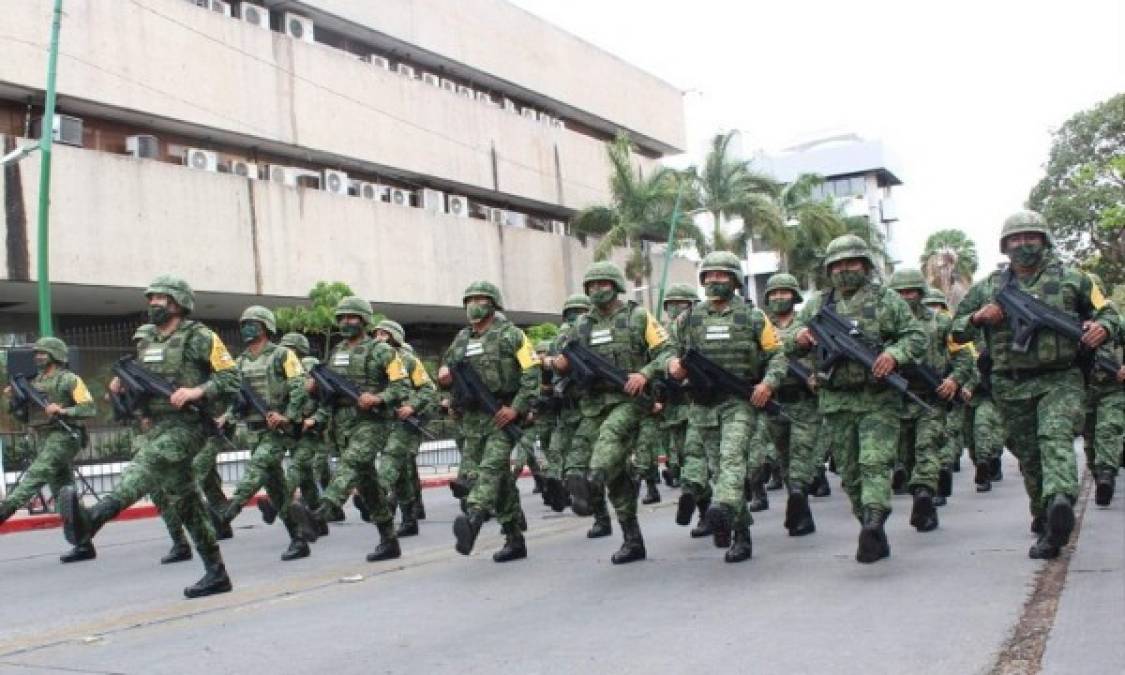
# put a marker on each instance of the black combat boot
(742, 548)
(898, 480)
(983, 477)
(1060, 523)
(514, 546)
(179, 552)
(997, 470)
(684, 508)
(320, 521)
(335, 514)
(602, 526)
(633, 547)
(945, 481)
(670, 476)
(652, 495)
(269, 511)
(79, 524)
(419, 507)
(298, 548)
(820, 486)
(223, 530)
(924, 516)
(79, 553)
(302, 523)
(760, 499)
(720, 518)
(581, 495)
(775, 482)
(1104, 484)
(409, 526)
(215, 579)
(702, 527)
(360, 505)
(465, 529)
(873, 544)
(956, 466)
(538, 489)
(460, 487)
(388, 547)
(798, 516)
(1038, 524)
(558, 497)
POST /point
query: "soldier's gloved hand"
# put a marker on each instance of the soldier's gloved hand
(805, 339)
(404, 411)
(52, 409)
(676, 369)
(504, 416)
(444, 376)
(948, 389)
(989, 315)
(309, 423)
(635, 384)
(884, 365)
(367, 401)
(185, 396)
(275, 420)
(761, 395)
(1093, 334)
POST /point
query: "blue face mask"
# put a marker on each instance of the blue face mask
(249, 331)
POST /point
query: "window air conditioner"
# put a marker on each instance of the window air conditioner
(497, 216)
(286, 175)
(405, 70)
(430, 78)
(449, 85)
(544, 118)
(299, 27)
(530, 113)
(66, 129)
(335, 182)
(241, 167)
(380, 62)
(204, 160)
(458, 205)
(515, 219)
(372, 191)
(534, 223)
(400, 197)
(467, 92)
(255, 14)
(558, 123)
(510, 105)
(432, 200)
(147, 147)
(220, 7)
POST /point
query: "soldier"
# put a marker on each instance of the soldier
(983, 428)
(69, 401)
(680, 298)
(364, 426)
(954, 443)
(795, 437)
(402, 447)
(650, 445)
(570, 415)
(1039, 392)
(545, 418)
(629, 337)
(503, 359)
(540, 407)
(301, 473)
(920, 444)
(201, 368)
(274, 374)
(740, 339)
(1105, 420)
(860, 411)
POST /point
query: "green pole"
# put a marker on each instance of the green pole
(669, 250)
(46, 141)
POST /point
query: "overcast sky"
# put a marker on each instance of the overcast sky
(964, 93)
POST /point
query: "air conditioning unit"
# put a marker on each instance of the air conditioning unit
(557, 123)
(147, 147)
(430, 78)
(204, 160)
(405, 70)
(299, 27)
(510, 105)
(400, 197)
(558, 227)
(221, 7)
(535, 223)
(255, 15)
(335, 182)
(457, 205)
(449, 85)
(497, 216)
(372, 191)
(286, 175)
(66, 129)
(530, 113)
(467, 92)
(432, 200)
(515, 219)
(241, 167)
(380, 62)
(544, 118)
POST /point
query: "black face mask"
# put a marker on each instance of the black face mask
(158, 315)
(351, 330)
(250, 331)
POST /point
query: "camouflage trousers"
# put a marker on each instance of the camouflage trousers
(716, 452)
(612, 435)
(562, 446)
(302, 473)
(53, 466)
(267, 469)
(1105, 425)
(864, 445)
(206, 474)
(650, 446)
(675, 434)
(1041, 413)
(163, 465)
(795, 440)
(494, 489)
(361, 442)
(953, 441)
(921, 448)
(395, 474)
(984, 430)
(544, 431)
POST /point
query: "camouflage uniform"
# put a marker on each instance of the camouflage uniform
(983, 429)
(56, 448)
(301, 473)
(564, 461)
(1105, 419)
(506, 363)
(1040, 392)
(861, 413)
(679, 298)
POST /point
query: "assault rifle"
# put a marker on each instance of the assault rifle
(800, 371)
(332, 386)
(248, 400)
(837, 338)
(706, 375)
(140, 384)
(1027, 315)
(469, 389)
(930, 379)
(588, 367)
(24, 395)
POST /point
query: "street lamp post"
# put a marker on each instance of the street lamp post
(46, 141)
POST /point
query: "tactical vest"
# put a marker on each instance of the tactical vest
(790, 385)
(499, 371)
(264, 374)
(1048, 349)
(613, 338)
(164, 356)
(937, 349)
(352, 363)
(54, 387)
(311, 404)
(863, 312)
(727, 339)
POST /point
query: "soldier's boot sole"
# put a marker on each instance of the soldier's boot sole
(179, 553)
(224, 531)
(685, 508)
(465, 533)
(297, 549)
(580, 496)
(719, 518)
(760, 502)
(629, 552)
(213, 582)
(702, 528)
(386, 550)
(1043, 550)
(79, 553)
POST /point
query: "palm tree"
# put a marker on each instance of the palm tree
(640, 211)
(949, 261)
(811, 223)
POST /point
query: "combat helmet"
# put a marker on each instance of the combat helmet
(845, 247)
(353, 304)
(604, 270)
(782, 280)
(174, 287)
(486, 289)
(1025, 221)
(259, 313)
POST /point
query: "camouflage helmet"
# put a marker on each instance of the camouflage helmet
(53, 347)
(721, 261)
(174, 287)
(934, 296)
(907, 278)
(486, 289)
(846, 247)
(1025, 221)
(353, 304)
(259, 313)
(297, 342)
(784, 281)
(395, 330)
(577, 301)
(543, 346)
(604, 270)
(680, 293)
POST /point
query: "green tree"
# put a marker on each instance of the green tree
(1083, 194)
(540, 332)
(949, 261)
(811, 223)
(317, 319)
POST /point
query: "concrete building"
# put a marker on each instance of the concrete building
(405, 147)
